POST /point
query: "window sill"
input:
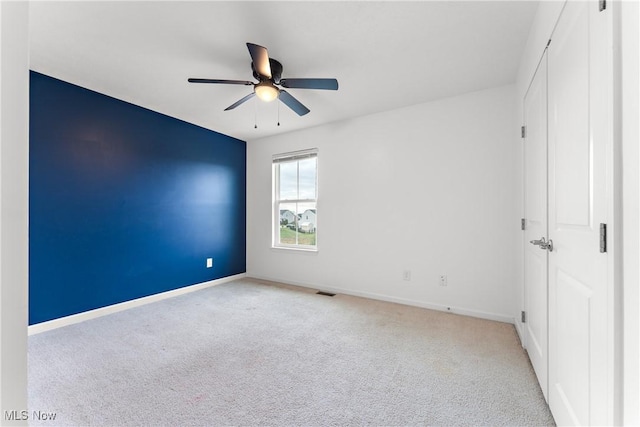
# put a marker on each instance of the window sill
(293, 249)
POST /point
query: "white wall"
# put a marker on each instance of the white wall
(14, 175)
(437, 184)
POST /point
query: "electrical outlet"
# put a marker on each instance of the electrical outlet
(406, 275)
(209, 262)
(443, 280)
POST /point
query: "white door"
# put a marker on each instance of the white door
(535, 207)
(580, 338)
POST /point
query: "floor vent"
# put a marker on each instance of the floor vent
(326, 294)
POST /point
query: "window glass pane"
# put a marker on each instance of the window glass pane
(288, 224)
(288, 180)
(307, 178)
(307, 222)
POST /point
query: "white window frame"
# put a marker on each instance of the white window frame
(276, 161)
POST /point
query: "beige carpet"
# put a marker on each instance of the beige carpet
(248, 353)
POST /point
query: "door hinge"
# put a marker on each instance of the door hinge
(603, 238)
(522, 224)
(523, 131)
(523, 317)
(602, 5)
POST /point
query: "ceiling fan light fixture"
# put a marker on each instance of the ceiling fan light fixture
(266, 91)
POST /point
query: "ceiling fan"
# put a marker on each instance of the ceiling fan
(268, 72)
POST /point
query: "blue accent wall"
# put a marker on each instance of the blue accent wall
(125, 202)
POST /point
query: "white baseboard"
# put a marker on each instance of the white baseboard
(457, 310)
(103, 311)
(520, 332)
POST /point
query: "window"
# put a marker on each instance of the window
(295, 196)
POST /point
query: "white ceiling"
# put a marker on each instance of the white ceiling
(385, 55)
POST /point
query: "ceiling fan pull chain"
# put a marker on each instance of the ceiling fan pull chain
(278, 109)
(255, 113)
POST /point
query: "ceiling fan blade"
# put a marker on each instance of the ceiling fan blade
(260, 58)
(293, 103)
(235, 104)
(227, 82)
(327, 84)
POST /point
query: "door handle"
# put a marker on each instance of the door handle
(543, 244)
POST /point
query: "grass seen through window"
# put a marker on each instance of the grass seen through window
(288, 236)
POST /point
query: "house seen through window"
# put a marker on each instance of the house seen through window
(295, 198)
